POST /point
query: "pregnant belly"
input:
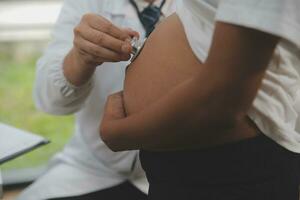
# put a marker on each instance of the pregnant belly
(165, 61)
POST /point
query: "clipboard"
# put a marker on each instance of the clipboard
(15, 142)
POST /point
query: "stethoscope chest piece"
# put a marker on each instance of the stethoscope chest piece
(137, 46)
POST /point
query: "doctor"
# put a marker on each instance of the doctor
(84, 63)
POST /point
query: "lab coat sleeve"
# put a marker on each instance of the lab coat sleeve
(53, 93)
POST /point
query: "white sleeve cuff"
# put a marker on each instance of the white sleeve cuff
(66, 88)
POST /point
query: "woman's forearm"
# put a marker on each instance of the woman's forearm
(201, 112)
(187, 116)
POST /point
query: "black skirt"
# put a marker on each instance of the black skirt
(252, 169)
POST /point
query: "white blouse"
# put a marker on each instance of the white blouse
(86, 164)
(276, 107)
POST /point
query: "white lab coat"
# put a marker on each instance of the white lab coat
(86, 164)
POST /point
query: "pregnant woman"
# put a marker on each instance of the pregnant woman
(211, 102)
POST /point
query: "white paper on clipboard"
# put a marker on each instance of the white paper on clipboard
(15, 142)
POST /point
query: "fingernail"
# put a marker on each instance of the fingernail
(126, 48)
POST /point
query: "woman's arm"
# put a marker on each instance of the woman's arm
(205, 109)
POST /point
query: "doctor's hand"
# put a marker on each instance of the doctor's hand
(96, 40)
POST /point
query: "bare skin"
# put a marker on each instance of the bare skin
(148, 79)
(174, 102)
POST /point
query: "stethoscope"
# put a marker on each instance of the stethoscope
(149, 18)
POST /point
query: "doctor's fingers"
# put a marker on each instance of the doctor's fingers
(102, 39)
(103, 25)
(131, 32)
(96, 54)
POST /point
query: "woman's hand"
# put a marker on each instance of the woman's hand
(114, 108)
(96, 40)
(114, 111)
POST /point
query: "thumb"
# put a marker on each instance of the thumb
(115, 106)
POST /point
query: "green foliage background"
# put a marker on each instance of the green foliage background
(17, 109)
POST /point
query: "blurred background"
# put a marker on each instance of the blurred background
(25, 27)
